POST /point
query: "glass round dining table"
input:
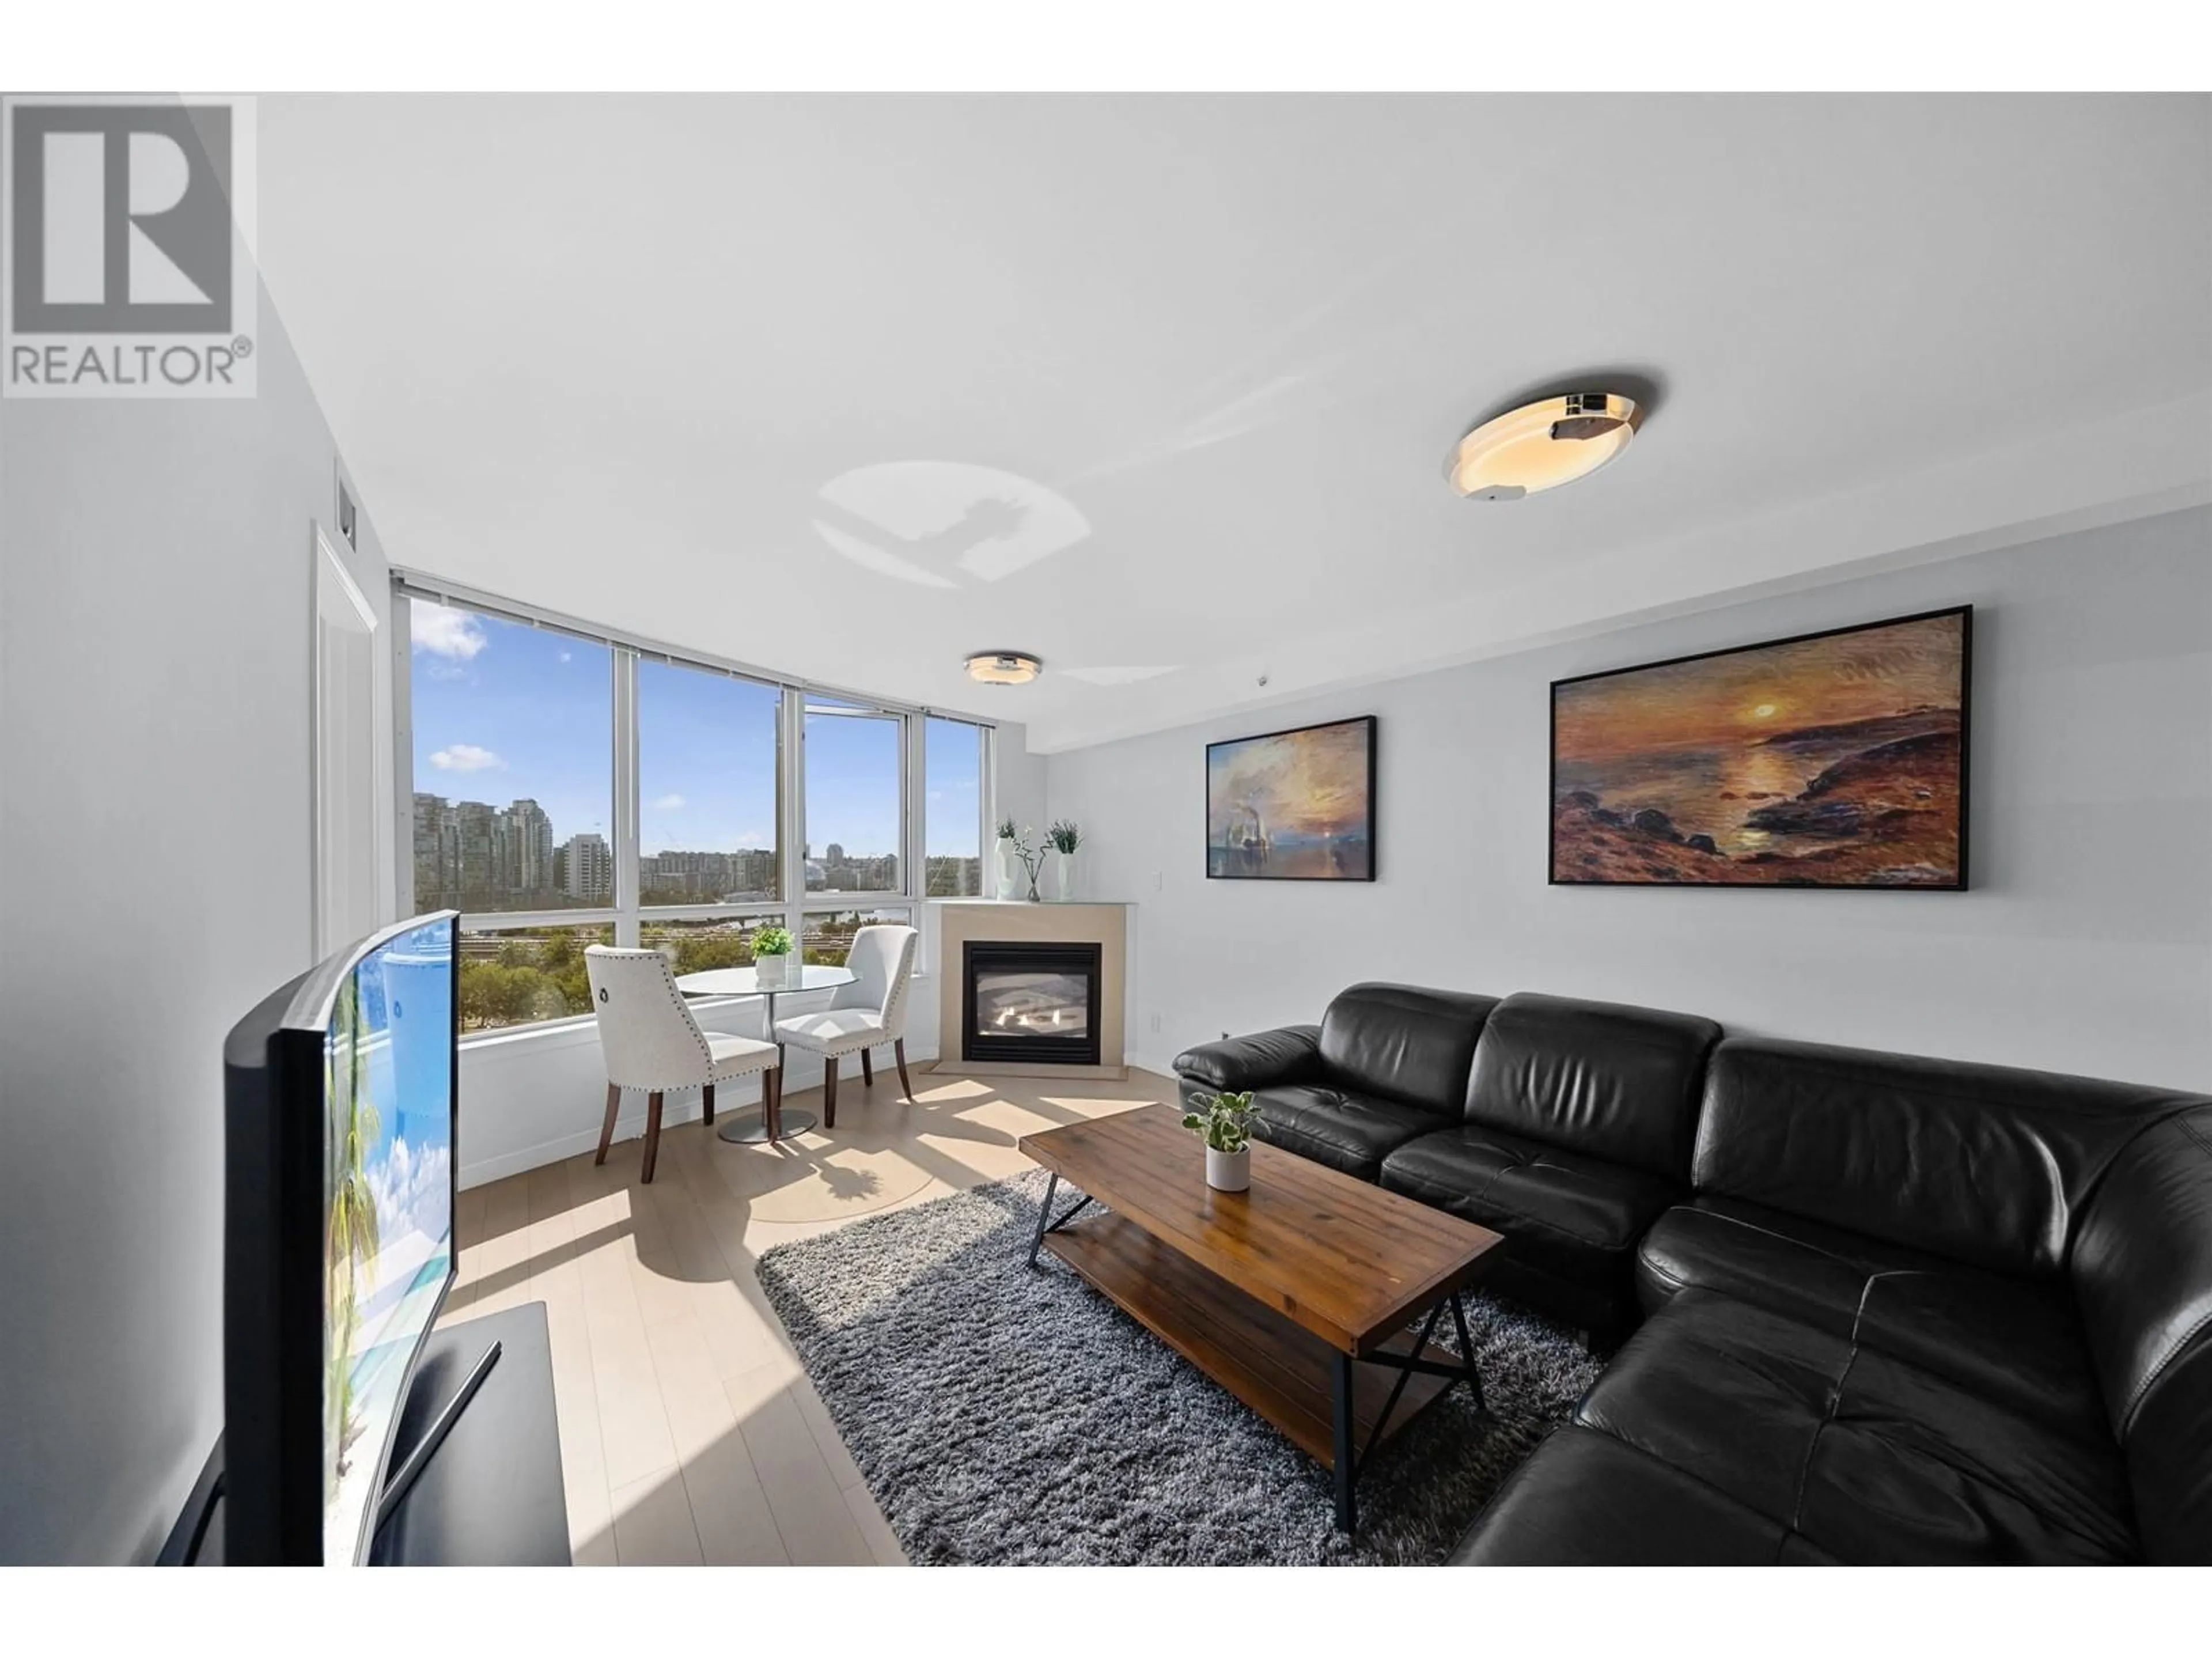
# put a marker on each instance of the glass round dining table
(764, 1126)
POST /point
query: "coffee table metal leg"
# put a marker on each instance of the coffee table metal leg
(1347, 1517)
(1046, 1224)
(1044, 1215)
(1467, 1353)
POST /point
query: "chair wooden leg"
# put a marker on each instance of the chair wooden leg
(607, 1129)
(829, 1092)
(707, 1103)
(867, 1071)
(898, 1047)
(652, 1134)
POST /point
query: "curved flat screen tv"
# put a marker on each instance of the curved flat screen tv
(340, 1097)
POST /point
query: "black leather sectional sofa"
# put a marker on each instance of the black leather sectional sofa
(1884, 1309)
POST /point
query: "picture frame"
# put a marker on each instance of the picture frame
(1294, 804)
(1837, 759)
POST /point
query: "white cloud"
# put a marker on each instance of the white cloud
(753, 838)
(669, 803)
(445, 632)
(566, 656)
(411, 1190)
(465, 757)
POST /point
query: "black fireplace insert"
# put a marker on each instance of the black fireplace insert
(1037, 1003)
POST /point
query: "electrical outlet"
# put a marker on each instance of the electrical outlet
(1159, 882)
(1156, 1022)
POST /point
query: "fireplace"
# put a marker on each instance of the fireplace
(1030, 1001)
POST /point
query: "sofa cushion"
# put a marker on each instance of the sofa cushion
(1347, 1131)
(1869, 1458)
(1982, 1164)
(2016, 1341)
(1404, 1042)
(1611, 1082)
(1587, 1499)
(1567, 1214)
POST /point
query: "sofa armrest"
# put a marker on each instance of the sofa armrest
(1252, 1062)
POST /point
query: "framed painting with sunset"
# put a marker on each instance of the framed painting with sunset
(1296, 805)
(1836, 759)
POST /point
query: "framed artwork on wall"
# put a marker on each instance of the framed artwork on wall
(1836, 759)
(1296, 806)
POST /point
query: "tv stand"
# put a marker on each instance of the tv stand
(488, 1493)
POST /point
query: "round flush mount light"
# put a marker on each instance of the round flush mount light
(1003, 667)
(1543, 445)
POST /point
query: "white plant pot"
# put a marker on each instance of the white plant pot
(1063, 876)
(775, 972)
(1229, 1172)
(1009, 871)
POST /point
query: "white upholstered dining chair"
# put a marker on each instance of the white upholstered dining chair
(652, 1043)
(864, 1015)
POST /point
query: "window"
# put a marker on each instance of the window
(828, 936)
(855, 804)
(952, 816)
(573, 788)
(520, 976)
(708, 805)
(695, 946)
(514, 737)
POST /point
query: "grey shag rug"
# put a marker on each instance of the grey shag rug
(1003, 1415)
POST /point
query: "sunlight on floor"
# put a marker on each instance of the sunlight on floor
(689, 1432)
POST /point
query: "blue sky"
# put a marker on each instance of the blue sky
(503, 711)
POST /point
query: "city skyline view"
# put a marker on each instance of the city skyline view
(512, 747)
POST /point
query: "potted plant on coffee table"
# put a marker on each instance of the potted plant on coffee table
(775, 960)
(1224, 1122)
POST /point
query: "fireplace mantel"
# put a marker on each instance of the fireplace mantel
(1104, 923)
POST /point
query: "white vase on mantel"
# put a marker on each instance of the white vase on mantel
(1009, 872)
(1063, 877)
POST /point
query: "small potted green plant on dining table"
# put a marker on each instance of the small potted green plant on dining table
(1225, 1121)
(776, 960)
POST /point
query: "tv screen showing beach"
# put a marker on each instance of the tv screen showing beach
(389, 1190)
(1836, 760)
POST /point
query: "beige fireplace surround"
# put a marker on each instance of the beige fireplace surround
(960, 921)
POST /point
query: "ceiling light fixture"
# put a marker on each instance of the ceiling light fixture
(1543, 445)
(1003, 667)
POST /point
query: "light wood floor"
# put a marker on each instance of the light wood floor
(689, 1433)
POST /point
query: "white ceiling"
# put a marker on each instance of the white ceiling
(1161, 388)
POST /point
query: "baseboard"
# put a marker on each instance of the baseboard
(683, 1108)
(629, 1126)
(1044, 1073)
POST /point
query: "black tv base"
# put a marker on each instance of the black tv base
(489, 1494)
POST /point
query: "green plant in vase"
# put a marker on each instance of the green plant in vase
(1016, 843)
(1065, 837)
(775, 957)
(1225, 1122)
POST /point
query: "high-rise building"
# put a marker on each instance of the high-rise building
(437, 852)
(476, 853)
(525, 849)
(589, 865)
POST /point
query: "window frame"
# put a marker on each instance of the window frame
(628, 914)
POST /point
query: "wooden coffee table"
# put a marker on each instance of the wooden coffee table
(1294, 1296)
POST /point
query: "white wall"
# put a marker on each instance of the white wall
(2085, 945)
(531, 1097)
(154, 839)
